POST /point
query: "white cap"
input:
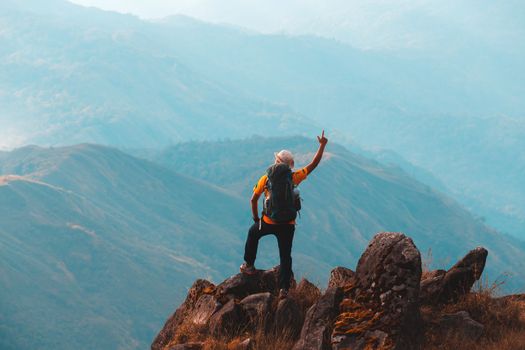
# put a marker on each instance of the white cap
(284, 156)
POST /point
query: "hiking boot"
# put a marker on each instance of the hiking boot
(283, 293)
(247, 269)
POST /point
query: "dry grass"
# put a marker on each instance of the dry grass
(188, 332)
(264, 337)
(426, 261)
(282, 339)
(503, 320)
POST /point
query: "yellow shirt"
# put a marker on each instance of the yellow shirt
(297, 177)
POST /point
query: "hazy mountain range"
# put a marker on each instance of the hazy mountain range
(72, 74)
(97, 246)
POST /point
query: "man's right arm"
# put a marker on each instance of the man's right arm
(318, 155)
(255, 211)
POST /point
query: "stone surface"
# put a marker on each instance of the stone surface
(462, 324)
(203, 309)
(318, 323)
(227, 320)
(288, 318)
(340, 276)
(257, 309)
(240, 286)
(306, 293)
(188, 346)
(381, 310)
(444, 287)
(370, 339)
(375, 307)
(199, 288)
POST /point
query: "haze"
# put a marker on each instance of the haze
(377, 24)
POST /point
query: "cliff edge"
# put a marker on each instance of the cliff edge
(389, 302)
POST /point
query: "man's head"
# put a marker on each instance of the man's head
(285, 157)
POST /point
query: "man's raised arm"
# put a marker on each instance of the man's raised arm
(317, 158)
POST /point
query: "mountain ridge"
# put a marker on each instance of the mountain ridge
(127, 236)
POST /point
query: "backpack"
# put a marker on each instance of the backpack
(283, 201)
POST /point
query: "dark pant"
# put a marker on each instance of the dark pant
(284, 234)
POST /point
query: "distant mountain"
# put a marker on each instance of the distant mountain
(95, 245)
(348, 199)
(455, 114)
(72, 74)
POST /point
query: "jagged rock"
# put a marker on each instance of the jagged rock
(240, 286)
(340, 276)
(431, 285)
(167, 333)
(443, 287)
(203, 309)
(187, 346)
(257, 308)
(288, 318)
(371, 339)
(318, 323)
(306, 293)
(227, 320)
(381, 311)
(462, 324)
(377, 307)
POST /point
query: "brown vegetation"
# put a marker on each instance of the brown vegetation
(304, 293)
(503, 319)
(391, 301)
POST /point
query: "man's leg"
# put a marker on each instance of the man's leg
(252, 242)
(284, 239)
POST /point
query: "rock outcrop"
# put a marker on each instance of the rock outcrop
(462, 324)
(189, 309)
(381, 311)
(340, 277)
(442, 286)
(375, 307)
(319, 320)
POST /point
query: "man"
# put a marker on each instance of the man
(278, 217)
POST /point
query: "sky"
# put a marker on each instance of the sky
(371, 24)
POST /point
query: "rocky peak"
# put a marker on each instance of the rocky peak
(375, 307)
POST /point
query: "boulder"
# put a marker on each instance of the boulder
(318, 323)
(288, 318)
(462, 324)
(431, 286)
(443, 287)
(340, 276)
(187, 346)
(241, 285)
(381, 309)
(305, 293)
(227, 320)
(168, 332)
(257, 308)
(202, 311)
